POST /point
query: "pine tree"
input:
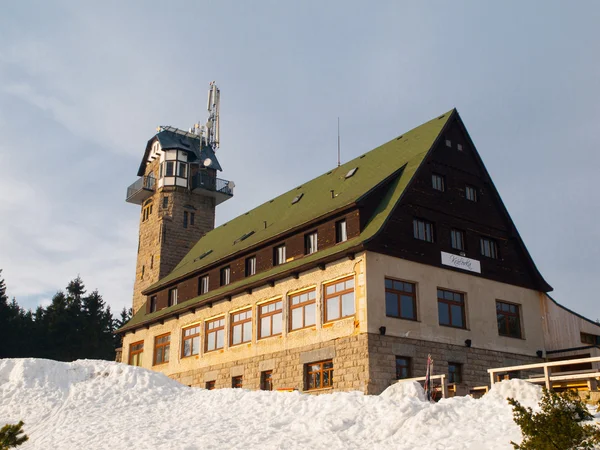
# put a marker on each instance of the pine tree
(118, 323)
(558, 425)
(12, 436)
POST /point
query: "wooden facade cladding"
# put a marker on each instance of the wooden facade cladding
(294, 243)
(450, 209)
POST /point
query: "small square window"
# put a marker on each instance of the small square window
(402, 367)
(448, 143)
(454, 373)
(341, 233)
(225, 276)
(470, 193)
(319, 375)
(310, 243)
(457, 239)
(236, 382)
(172, 297)
(250, 266)
(423, 230)
(459, 147)
(209, 385)
(437, 182)
(203, 285)
(279, 255)
(266, 380)
(489, 248)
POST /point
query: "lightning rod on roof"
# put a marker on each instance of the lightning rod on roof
(339, 154)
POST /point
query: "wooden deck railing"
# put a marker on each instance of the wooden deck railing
(547, 377)
(444, 382)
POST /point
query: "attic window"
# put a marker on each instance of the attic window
(351, 172)
(203, 255)
(448, 143)
(400, 137)
(244, 236)
(362, 156)
(297, 198)
(442, 116)
(459, 147)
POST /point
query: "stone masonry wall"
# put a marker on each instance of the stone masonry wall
(163, 241)
(475, 362)
(349, 356)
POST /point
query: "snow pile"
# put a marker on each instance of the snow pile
(99, 404)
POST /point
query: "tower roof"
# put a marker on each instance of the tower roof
(171, 138)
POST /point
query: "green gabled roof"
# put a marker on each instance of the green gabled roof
(281, 215)
(386, 204)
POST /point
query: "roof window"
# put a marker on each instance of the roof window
(244, 236)
(203, 255)
(351, 172)
(297, 198)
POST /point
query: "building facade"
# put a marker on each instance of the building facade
(347, 282)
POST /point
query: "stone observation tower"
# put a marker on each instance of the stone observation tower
(178, 191)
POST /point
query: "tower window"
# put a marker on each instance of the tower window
(341, 233)
(169, 168)
(279, 255)
(172, 296)
(147, 211)
(165, 203)
(192, 218)
(438, 182)
(423, 230)
(225, 276)
(310, 243)
(182, 169)
(185, 219)
(143, 272)
(250, 266)
(152, 262)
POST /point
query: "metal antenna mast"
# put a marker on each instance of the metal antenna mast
(212, 124)
(339, 154)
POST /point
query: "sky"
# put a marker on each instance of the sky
(83, 86)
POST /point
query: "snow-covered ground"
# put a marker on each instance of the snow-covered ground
(100, 404)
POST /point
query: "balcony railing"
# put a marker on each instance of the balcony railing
(141, 190)
(203, 180)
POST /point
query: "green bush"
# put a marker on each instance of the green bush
(558, 425)
(9, 436)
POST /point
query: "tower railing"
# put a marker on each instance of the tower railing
(204, 180)
(140, 190)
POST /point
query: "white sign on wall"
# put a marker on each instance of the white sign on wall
(460, 262)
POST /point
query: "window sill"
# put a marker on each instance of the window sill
(221, 349)
(521, 338)
(402, 318)
(197, 355)
(330, 323)
(453, 327)
(318, 391)
(268, 337)
(310, 327)
(248, 343)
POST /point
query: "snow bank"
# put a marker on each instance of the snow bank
(99, 404)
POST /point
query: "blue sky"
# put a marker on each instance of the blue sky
(83, 86)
